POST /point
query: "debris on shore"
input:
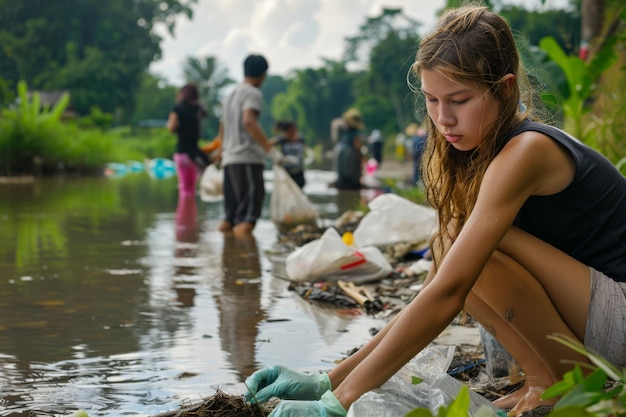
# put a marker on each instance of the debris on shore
(222, 404)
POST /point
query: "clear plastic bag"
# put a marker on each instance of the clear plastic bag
(212, 184)
(498, 362)
(399, 395)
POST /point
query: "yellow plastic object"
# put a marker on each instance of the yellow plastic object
(347, 238)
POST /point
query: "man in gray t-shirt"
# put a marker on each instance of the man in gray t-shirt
(244, 148)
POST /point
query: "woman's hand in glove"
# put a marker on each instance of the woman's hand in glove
(327, 406)
(282, 382)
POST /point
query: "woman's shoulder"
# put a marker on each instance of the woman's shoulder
(535, 161)
(535, 128)
(530, 146)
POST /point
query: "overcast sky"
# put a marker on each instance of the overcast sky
(292, 34)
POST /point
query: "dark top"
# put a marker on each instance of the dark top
(188, 132)
(348, 160)
(294, 153)
(587, 220)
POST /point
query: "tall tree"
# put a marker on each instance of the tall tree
(375, 30)
(533, 25)
(592, 12)
(98, 50)
(388, 78)
(601, 20)
(389, 41)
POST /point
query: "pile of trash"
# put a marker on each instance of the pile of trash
(359, 247)
(342, 264)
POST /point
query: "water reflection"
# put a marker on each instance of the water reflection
(187, 235)
(187, 219)
(118, 297)
(239, 303)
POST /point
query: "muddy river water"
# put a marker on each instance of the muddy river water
(120, 299)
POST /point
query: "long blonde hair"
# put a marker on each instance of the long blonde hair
(473, 45)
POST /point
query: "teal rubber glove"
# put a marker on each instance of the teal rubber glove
(327, 406)
(282, 382)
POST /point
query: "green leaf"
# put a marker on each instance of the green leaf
(587, 393)
(460, 406)
(557, 390)
(577, 74)
(416, 380)
(60, 107)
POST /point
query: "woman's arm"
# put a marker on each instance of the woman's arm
(172, 122)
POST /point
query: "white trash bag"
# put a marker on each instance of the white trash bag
(212, 184)
(330, 259)
(393, 219)
(289, 206)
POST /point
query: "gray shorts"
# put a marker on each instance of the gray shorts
(606, 323)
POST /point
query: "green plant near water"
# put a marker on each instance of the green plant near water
(28, 132)
(34, 139)
(595, 103)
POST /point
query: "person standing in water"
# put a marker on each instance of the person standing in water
(349, 159)
(291, 145)
(184, 120)
(531, 239)
(243, 150)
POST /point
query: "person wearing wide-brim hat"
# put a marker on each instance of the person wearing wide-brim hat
(353, 119)
(348, 156)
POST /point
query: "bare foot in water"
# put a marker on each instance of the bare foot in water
(225, 226)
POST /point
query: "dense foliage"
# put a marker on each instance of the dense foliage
(97, 50)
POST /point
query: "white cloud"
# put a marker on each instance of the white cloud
(291, 34)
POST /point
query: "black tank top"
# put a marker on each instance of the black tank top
(587, 220)
(188, 127)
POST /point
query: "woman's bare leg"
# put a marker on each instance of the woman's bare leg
(522, 296)
(541, 375)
